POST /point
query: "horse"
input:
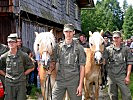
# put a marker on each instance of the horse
(94, 60)
(44, 46)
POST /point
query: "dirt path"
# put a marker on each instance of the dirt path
(103, 95)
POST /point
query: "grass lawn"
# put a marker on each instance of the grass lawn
(34, 93)
(131, 85)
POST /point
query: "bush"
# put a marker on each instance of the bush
(34, 92)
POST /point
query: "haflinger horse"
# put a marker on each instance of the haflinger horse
(44, 45)
(94, 61)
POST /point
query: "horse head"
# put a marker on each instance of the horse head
(96, 43)
(44, 45)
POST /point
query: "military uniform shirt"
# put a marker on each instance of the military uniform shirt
(118, 59)
(3, 49)
(70, 58)
(15, 66)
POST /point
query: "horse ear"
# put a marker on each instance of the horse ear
(36, 33)
(101, 32)
(90, 33)
(51, 31)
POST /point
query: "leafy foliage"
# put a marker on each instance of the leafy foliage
(125, 5)
(128, 23)
(107, 15)
(34, 93)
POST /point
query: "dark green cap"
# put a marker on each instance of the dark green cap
(68, 27)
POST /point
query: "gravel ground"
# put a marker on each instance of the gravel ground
(103, 95)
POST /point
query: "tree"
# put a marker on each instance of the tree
(107, 15)
(88, 20)
(128, 23)
(125, 5)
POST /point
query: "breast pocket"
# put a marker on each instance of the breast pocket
(20, 66)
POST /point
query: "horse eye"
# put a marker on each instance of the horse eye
(38, 45)
(103, 43)
(91, 44)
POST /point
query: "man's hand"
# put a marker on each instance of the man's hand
(2, 73)
(79, 91)
(127, 80)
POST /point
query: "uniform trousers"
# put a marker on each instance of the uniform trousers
(16, 91)
(114, 84)
(61, 86)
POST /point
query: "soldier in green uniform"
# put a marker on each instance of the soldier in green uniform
(30, 54)
(17, 65)
(3, 49)
(119, 67)
(71, 59)
(23, 48)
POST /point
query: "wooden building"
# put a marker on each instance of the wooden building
(27, 16)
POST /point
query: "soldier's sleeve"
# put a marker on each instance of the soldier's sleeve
(28, 62)
(105, 53)
(82, 56)
(2, 62)
(129, 56)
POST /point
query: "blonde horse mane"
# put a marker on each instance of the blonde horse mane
(45, 39)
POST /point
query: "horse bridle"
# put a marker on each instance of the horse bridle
(42, 61)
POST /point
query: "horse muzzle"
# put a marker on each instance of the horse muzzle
(98, 58)
(98, 62)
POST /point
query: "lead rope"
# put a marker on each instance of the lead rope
(49, 89)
